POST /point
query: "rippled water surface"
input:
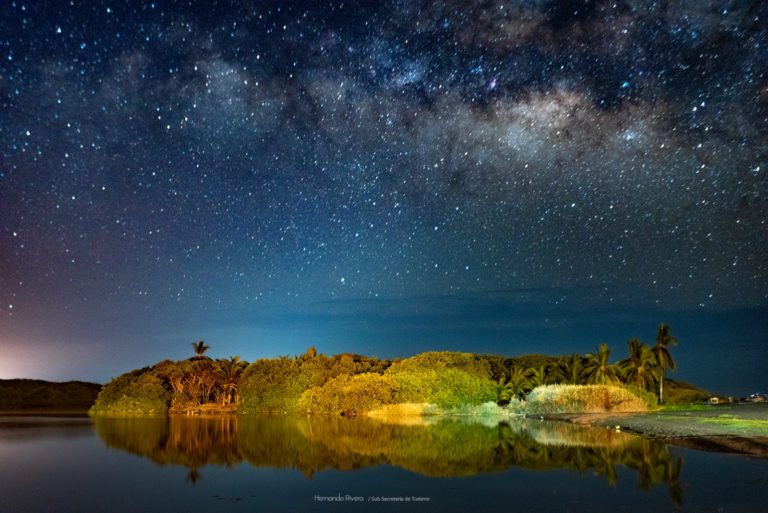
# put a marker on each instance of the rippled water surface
(337, 464)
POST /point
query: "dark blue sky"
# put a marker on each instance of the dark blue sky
(382, 178)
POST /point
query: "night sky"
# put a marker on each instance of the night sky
(382, 178)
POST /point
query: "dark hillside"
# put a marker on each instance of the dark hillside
(36, 395)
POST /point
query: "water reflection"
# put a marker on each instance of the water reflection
(19, 427)
(444, 448)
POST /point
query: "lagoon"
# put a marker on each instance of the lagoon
(316, 463)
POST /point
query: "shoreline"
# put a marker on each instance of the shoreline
(45, 413)
(737, 428)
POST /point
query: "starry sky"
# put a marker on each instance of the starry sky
(382, 178)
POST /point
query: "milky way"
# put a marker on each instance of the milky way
(253, 173)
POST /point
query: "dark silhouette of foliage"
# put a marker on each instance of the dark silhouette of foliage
(200, 348)
(35, 394)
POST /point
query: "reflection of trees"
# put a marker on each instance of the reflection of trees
(445, 448)
(541, 445)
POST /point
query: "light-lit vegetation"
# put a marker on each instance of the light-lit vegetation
(584, 399)
(352, 384)
(140, 392)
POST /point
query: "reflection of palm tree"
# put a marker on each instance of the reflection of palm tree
(193, 476)
(311, 444)
(640, 366)
(576, 457)
(200, 348)
(663, 358)
(597, 370)
(652, 462)
(606, 466)
(672, 470)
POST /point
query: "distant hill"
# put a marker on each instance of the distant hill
(39, 395)
(680, 392)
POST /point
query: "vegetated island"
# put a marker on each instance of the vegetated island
(26, 396)
(632, 394)
(427, 383)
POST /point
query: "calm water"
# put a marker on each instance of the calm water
(258, 464)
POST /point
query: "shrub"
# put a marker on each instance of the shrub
(271, 386)
(401, 410)
(446, 379)
(488, 411)
(136, 393)
(358, 393)
(466, 362)
(447, 387)
(583, 399)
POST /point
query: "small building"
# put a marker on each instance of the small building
(713, 400)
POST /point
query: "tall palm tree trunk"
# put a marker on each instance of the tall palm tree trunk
(661, 387)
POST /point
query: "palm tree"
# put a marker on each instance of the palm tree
(597, 370)
(229, 371)
(639, 367)
(538, 376)
(663, 358)
(515, 386)
(200, 349)
(572, 369)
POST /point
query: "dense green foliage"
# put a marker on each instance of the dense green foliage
(445, 379)
(140, 392)
(349, 394)
(34, 394)
(275, 386)
(173, 387)
(352, 383)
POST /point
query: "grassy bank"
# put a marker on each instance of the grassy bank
(586, 399)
